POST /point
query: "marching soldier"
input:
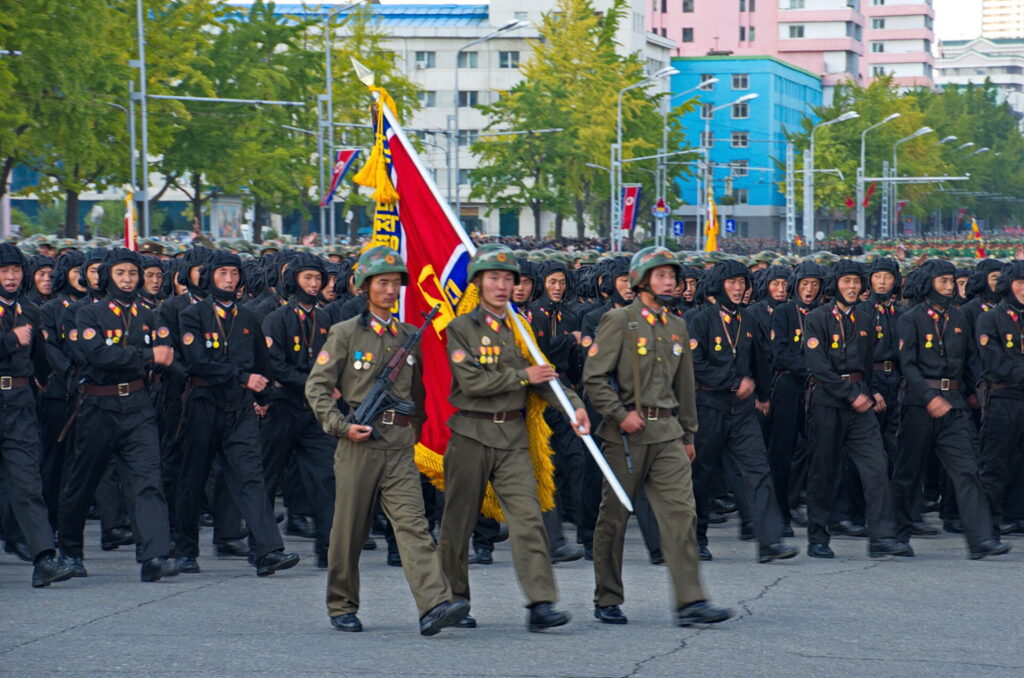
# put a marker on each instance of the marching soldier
(367, 466)
(118, 340)
(489, 441)
(653, 411)
(226, 359)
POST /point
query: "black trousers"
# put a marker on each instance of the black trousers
(786, 417)
(291, 430)
(1002, 450)
(833, 430)
(20, 449)
(131, 438)
(233, 436)
(734, 438)
(950, 438)
(53, 412)
(169, 407)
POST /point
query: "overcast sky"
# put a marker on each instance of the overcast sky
(957, 19)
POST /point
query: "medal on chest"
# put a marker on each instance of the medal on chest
(641, 345)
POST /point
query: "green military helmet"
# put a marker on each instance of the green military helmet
(268, 247)
(764, 257)
(520, 254)
(377, 260)
(589, 257)
(536, 256)
(714, 257)
(493, 257)
(648, 259)
(694, 260)
(67, 244)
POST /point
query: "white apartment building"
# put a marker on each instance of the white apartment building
(898, 38)
(1001, 60)
(1002, 18)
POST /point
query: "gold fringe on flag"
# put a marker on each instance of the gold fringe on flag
(432, 465)
(374, 174)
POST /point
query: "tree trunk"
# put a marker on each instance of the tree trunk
(581, 215)
(535, 207)
(197, 199)
(259, 215)
(5, 174)
(559, 220)
(71, 214)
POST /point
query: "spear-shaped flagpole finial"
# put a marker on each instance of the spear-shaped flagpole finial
(364, 74)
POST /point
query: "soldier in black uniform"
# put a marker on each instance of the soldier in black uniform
(118, 340)
(839, 348)
(40, 279)
(22, 358)
(730, 367)
(295, 334)
(152, 281)
(226, 358)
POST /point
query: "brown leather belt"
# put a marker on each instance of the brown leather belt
(885, 366)
(998, 386)
(655, 413)
(7, 383)
(852, 377)
(496, 417)
(943, 384)
(392, 418)
(199, 381)
(702, 387)
(113, 389)
(156, 377)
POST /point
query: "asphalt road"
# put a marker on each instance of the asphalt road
(934, 615)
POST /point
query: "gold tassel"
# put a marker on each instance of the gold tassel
(432, 465)
(374, 174)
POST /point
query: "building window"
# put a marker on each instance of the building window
(796, 4)
(929, 23)
(740, 139)
(878, 23)
(743, 33)
(796, 31)
(468, 98)
(707, 139)
(878, 47)
(664, 6)
(742, 196)
(687, 35)
(428, 99)
(740, 111)
(687, 6)
(468, 59)
(508, 59)
(464, 178)
(750, 34)
(705, 111)
(426, 59)
(740, 168)
(740, 81)
(704, 77)
(878, 71)
(877, 2)
(928, 46)
(467, 137)
(521, 16)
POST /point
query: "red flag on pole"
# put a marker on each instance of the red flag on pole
(630, 203)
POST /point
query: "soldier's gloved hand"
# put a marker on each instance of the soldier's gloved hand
(256, 383)
(862, 403)
(938, 407)
(357, 433)
(539, 374)
(582, 424)
(163, 355)
(24, 334)
(632, 423)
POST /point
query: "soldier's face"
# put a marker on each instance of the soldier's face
(944, 285)
(882, 282)
(383, 290)
(691, 289)
(328, 291)
(777, 289)
(308, 282)
(808, 289)
(10, 278)
(125, 276)
(496, 287)
(848, 287)
(152, 280)
(735, 288)
(623, 288)
(193, 274)
(961, 285)
(1017, 287)
(75, 278)
(522, 292)
(554, 285)
(993, 278)
(43, 280)
(226, 278)
(92, 274)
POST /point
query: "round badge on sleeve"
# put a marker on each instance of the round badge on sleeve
(813, 342)
(323, 357)
(163, 333)
(88, 333)
(188, 338)
(458, 355)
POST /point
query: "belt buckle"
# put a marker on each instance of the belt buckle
(844, 377)
(943, 384)
(387, 417)
(6, 383)
(498, 417)
(651, 413)
(887, 366)
(122, 389)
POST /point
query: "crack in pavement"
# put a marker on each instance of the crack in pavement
(896, 660)
(747, 611)
(115, 613)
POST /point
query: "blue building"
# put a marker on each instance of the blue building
(748, 140)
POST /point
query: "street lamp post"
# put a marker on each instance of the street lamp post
(504, 28)
(861, 169)
(893, 204)
(704, 186)
(808, 225)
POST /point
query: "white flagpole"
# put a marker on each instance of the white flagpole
(535, 352)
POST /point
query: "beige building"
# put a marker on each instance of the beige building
(1002, 18)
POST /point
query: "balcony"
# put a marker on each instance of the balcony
(838, 44)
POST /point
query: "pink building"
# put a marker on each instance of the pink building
(827, 37)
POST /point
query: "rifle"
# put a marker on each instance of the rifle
(380, 397)
(614, 383)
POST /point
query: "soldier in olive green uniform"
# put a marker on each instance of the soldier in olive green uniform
(352, 356)
(489, 441)
(646, 351)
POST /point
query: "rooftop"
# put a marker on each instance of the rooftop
(402, 15)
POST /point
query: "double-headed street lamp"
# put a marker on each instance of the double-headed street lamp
(616, 157)
(893, 204)
(504, 28)
(861, 170)
(808, 226)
